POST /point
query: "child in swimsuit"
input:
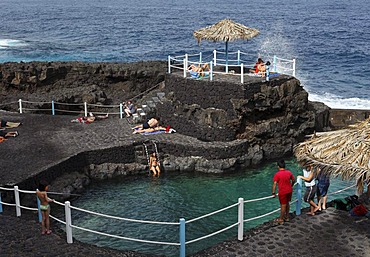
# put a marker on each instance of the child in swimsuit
(44, 207)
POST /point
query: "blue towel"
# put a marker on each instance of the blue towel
(194, 74)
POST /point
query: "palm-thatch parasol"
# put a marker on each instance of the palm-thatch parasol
(343, 153)
(225, 30)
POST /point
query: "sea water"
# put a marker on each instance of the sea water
(329, 39)
(179, 195)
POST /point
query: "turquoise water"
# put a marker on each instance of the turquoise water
(173, 196)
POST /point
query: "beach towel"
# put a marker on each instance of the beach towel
(10, 124)
(171, 130)
(194, 74)
(167, 130)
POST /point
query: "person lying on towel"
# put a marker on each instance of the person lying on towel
(89, 119)
(4, 135)
(197, 71)
(8, 124)
(152, 123)
(167, 129)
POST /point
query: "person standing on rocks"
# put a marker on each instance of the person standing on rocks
(44, 207)
(310, 183)
(284, 179)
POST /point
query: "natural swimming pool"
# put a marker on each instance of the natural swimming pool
(178, 195)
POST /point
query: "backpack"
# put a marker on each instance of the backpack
(341, 204)
(352, 201)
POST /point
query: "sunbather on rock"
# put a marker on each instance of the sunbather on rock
(148, 130)
(152, 123)
(259, 68)
(8, 124)
(167, 129)
(89, 119)
(199, 71)
(4, 134)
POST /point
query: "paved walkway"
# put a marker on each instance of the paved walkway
(45, 140)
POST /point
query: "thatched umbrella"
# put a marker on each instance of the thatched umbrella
(343, 153)
(225, 30)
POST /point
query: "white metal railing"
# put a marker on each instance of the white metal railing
(182, 223)
(236, 60)
(24, 106)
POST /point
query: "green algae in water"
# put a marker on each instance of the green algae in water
(178, 195)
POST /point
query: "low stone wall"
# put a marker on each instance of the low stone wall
(79, 162)
(341, 118)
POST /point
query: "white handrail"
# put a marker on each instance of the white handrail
(212, 213)
(125, 238)
(8, 204)
(125, 219)
(212, 234)
(339, 191)
(258, 199)
(59, 220)
(276, 62)
(7, 189)
(263, 215)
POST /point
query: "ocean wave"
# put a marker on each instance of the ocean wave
(6, 43)
(337, 102)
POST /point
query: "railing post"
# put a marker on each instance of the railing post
(299, 197)
(215, 57)
(242, 73)
(240, 219)
(169, 64)
(20, 106)
(52, 108)
(200, 57)
(185, 66)
(210, 71)
(293, 67)
(120, 111)
(1, 205)
(67, 208)
(17, 201)
(182, 237)
(38, 208)
(238, 57)
(85, 107)
(274, 64)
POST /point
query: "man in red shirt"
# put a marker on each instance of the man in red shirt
(284, 179)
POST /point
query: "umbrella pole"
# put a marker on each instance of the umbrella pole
(227, 57)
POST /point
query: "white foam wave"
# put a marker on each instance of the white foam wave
(6, 43)
(337, 102)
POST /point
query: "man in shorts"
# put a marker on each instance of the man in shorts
(284, 179)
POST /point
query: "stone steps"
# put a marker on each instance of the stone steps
(148, 108)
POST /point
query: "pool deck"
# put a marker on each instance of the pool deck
(45, 140)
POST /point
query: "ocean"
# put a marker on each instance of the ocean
(330, 40)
